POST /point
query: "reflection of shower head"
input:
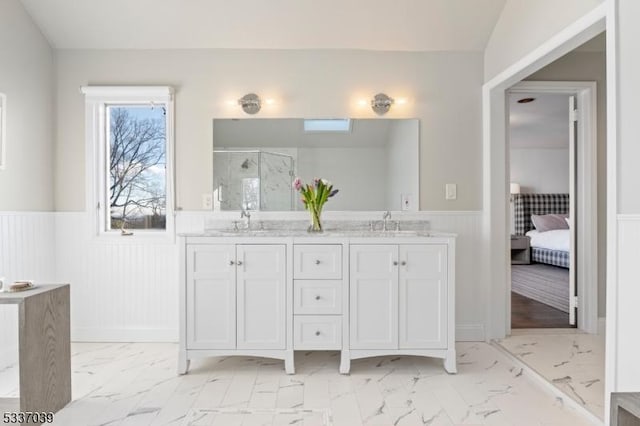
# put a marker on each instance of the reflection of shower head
(245, 164)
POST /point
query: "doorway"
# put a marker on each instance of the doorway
(546, 134)
(570, 360)
(574, 259)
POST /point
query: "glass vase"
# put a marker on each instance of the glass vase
(316, 223)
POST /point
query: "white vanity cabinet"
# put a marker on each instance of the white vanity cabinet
(364, 295)
(235, 301)
(401, 301)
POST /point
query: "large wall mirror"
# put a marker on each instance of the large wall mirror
(373, 162)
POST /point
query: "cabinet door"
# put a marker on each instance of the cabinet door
(211, 297)
(423, 296)
(373, 296)
(261, 296)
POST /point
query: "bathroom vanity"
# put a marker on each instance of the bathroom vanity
(363, 293)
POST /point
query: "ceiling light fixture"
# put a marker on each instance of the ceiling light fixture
(381, 103)
(250, 103)
(526, 100)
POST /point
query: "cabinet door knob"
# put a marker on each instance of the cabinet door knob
(318, 297)
(231, 263)
(395, 263)
(403, 263)
(239, 262)
(317, 261)
(317, 333)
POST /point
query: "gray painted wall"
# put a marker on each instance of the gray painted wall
(525, 25)
(443, 91)
(26, 77)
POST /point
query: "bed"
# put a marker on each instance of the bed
(552, 249)
(546, 280)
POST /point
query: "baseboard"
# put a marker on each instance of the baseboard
(141, 335)
(470, 333)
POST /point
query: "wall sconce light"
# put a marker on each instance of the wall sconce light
(381, 103)
(250, 103)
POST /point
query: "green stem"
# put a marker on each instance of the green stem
(315, 218)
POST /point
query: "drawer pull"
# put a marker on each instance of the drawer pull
(395, 263)
(318, 297)
(239, 262)
(317, 333)
(403, 263)
(231, 263)
(317, 261)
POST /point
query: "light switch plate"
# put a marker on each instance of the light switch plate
(451, 191)
(207, 201)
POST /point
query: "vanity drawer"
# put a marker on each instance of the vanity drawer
(317, 261)
(317, 297)
(317, 332)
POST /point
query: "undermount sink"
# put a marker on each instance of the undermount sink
(379, 233)
(239, 232)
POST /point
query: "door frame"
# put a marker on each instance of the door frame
(495, 231)
(584, 195)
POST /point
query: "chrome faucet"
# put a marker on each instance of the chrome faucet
(245, 214)
(385, 216)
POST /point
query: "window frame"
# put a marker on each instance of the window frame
(97, 101)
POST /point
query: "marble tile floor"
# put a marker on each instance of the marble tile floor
(130, 384)
(571, 360)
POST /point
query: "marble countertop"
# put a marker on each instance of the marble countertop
(292, 233)
(332, 229)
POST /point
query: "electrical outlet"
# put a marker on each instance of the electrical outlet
(207, 201)
(406, 201)
(451, 191)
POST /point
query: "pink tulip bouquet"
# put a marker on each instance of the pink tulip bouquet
(314, 196)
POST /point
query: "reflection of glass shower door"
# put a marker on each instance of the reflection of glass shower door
(236, 183)
(276, 175)
(252, 180)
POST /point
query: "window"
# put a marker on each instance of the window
(129, 151)
(338, 125)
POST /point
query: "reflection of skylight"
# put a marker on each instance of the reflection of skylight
(328, 125)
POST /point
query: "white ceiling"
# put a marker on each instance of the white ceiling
(543, 123)
(403, 25)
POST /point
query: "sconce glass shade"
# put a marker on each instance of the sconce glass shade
(250, 103)
(381, 103)
(515, 188)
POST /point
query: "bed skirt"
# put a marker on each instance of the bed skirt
(550, 257)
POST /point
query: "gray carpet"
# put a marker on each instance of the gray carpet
(545, 283)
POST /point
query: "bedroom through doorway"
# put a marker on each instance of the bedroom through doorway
(542, 143)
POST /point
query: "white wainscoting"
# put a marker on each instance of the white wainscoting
(627, 344)
(27, 241)
(127, 290)
(122, 290)
(470, 291)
